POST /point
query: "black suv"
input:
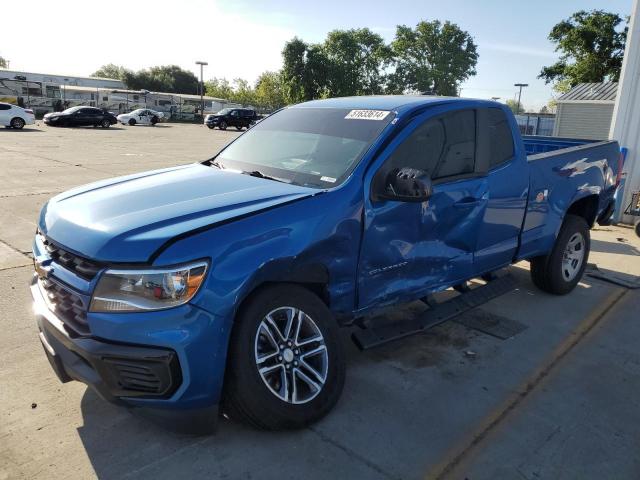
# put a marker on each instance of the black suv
(232, 117)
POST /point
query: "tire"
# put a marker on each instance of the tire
(238, 127)
(105, 123)
(222, 125)
(555, 273)
(211, 127)
(637, 229)
(132, 121)
(259, 398)
(17, 123)
(154, 120)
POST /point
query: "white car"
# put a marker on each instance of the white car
(13, 116)
(141, 116)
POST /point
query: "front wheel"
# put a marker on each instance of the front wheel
(105, 123)
(154, 120)
(286, 362)
(238, 127)
(132, 122)
(560, 271)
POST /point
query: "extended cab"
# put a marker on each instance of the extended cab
(225, 282)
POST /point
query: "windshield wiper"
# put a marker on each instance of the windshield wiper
(259, 174)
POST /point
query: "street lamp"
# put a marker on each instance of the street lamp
(521, 85)
(202, 64)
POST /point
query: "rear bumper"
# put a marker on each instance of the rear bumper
(149, 379)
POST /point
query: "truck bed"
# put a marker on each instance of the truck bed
(561, 172)
(537, 146)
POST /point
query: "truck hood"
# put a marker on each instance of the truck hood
(127, 219)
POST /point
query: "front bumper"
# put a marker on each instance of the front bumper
(154, 380)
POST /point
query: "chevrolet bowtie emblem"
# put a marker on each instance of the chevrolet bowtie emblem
(43, 267)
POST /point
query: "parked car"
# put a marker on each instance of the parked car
(80, 117)
(232, 117)
(13, 116)
(224, 283)
(141, 116)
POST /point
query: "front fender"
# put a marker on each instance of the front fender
(313, 240)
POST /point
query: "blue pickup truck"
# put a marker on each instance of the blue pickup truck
(223, 284)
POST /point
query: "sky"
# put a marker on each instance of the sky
(242, 38)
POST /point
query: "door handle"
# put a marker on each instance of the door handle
(467, 203)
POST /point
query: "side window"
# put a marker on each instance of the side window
(443, 146)
(499, 136)
(5, 106)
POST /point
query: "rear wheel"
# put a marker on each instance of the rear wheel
(222, 125)
(105, 123)
(561, 270)
(154, 120)
(17, 123)
(132, 122)
(286, 363)
(211, 127)
(238, 127)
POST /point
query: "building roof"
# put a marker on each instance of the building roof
(7, 70)
(591, 92)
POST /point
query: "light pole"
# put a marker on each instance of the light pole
(202, 64)
(520, 93)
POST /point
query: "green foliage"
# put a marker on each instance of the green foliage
(513, 105)
(166, 78)
(269, 92)
(3, 63)
(356, 60)
(434, 57)
(294, 71)
(592, 48)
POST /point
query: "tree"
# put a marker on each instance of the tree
(293, 70)
(3, 63)
(434, 57)
(591, 46)
(356, 59)
(269, 93)
(219, 88)
(513, 105)
(111, 70)
(166, 78)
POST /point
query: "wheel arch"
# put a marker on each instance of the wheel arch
(585, 207)
(312, 276)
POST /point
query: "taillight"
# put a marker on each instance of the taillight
(621, 157)
(28, 110)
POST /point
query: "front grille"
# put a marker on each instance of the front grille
(67, 306)
(82, 267)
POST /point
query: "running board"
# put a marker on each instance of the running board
(373, 336)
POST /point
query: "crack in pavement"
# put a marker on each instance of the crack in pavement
(352, 454)
(495, 419)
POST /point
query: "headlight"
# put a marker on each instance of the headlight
(143, 290)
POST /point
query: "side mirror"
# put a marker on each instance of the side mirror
(407, 185)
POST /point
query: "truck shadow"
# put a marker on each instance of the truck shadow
(619, 248)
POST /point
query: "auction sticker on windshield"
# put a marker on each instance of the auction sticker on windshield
(367, 115)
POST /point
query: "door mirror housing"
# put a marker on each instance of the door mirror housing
(406, 185)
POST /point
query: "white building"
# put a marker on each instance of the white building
(586, 111)
(72, 80)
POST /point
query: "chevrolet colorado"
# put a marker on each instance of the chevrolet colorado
(222, 284)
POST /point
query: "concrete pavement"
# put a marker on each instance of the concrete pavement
(451, 403)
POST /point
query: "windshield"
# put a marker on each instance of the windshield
(316, 147)
(71, 110)
(137, 112)
(224, 111)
